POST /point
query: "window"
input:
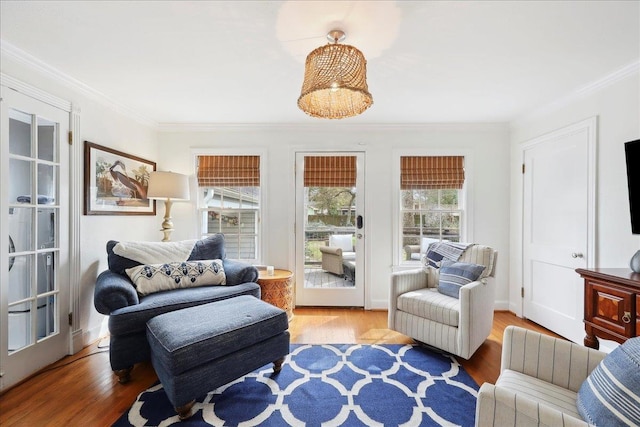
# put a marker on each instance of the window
(431, 201)
(229, 202)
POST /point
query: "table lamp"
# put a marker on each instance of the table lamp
(170, 187)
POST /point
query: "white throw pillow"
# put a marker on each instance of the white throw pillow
(152, 278)
(342, 241)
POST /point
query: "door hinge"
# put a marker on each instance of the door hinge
(523, 168)
(522, 292)
(70, 319)
(70, 137)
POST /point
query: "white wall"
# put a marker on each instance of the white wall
(488, 145)
(617, 107)
(102, 125)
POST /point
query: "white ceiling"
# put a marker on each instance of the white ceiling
(243, 61)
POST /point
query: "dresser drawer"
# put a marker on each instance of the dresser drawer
(611, 308)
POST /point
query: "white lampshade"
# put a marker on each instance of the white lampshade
(168, 185)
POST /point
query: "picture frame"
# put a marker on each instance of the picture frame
(115, 183)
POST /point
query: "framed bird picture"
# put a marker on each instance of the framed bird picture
(115, 183)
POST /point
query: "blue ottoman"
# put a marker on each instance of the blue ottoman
(198, 349)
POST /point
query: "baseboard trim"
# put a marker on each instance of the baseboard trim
(379, 304)
(77, 342)
(501, 306)
(92, 335)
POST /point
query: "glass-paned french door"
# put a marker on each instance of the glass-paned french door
(34, 277)
(330, 229)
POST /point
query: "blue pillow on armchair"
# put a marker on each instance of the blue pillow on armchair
(454, 275)
(610, 396)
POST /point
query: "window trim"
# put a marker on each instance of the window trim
(466, 201)
(263, 210)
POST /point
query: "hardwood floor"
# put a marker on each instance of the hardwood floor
(81, 390)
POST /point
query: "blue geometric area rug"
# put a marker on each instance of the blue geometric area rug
(330, 385)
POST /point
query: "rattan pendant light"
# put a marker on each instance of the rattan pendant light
(335, 81)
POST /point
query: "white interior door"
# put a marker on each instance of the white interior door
(558, 227)
(34, 236)
(330, 210)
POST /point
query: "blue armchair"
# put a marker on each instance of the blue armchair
(116, 296)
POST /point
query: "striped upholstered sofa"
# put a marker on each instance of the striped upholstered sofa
(457, 325)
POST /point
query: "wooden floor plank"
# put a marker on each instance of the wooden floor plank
(81, 390)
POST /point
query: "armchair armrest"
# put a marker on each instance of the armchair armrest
(411, 249)
(406, 281)
(238, 272)
(330, 250)
(113, 291)
(475, 318)
(498, 406)
(550, 359)
(402, 282)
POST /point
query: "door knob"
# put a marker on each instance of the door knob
(577, 255)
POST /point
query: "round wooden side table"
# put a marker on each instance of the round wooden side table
(277, 289)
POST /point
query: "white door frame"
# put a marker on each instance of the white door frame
(327, 296)
(590, 125)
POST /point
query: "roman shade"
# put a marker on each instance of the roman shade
(329, 171)
(229, 171)
(431, 172)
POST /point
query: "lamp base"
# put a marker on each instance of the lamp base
(167, 224)
(167, 234)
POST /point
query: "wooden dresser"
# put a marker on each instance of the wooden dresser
(611, 304)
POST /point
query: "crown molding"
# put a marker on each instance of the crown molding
(610, 79)
(34, 92)
(328, 127)
(582, 92)
(21, 57)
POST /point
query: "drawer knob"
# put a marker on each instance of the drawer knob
(627, 317)
(576, 255)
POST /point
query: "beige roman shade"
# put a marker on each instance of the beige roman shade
(431, 172)
(229, 171)
(329, 171)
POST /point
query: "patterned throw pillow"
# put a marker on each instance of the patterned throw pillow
(610, 396)
(174, 275)
(454, 275)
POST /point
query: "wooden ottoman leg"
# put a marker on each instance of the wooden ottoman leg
(277, 365)
(184, 411)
